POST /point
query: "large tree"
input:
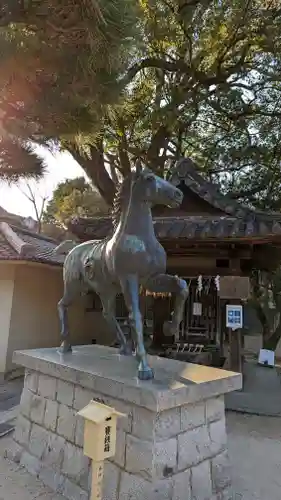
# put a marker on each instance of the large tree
(266, 300)
(73, 198)
(60, 69)
(194, 77)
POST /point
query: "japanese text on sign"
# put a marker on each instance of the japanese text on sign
(234, 316)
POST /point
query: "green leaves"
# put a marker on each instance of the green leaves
(154, 78)
(72, 198)
(71, 55)
(18, 160)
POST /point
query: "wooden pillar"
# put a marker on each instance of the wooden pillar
(235, 350)
(221, 327)
(235, 289)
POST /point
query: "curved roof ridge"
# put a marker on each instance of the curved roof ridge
(34, 234)
(20, 246)
(188, 172)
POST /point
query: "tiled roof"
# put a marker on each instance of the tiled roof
(188, 173)
(16, 220)
(5, 248)
(192, 227)
(235, 222)
(29, 246)
(217, 227)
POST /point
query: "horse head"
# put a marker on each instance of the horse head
(152, 189)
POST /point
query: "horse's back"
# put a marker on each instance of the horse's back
(76, 258)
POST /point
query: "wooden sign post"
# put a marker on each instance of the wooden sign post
(234, 323)
(99, 440)
(235, 289)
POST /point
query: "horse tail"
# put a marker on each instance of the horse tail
(64, 247)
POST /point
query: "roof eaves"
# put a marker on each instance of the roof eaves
(30, 260)
(186, 171)
(22, 248)
(37, 236)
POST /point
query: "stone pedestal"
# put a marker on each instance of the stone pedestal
(171, 446)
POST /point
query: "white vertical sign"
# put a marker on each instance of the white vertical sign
(234, 316)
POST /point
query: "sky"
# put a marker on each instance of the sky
(59, 167)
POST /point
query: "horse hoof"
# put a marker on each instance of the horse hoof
(145, 373)
(65, 347)
(126, 350)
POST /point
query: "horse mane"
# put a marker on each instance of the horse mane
(121, 195)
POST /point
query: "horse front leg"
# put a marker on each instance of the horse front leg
(130, 289)
(165, 283)
(63, 317)
(72, 291)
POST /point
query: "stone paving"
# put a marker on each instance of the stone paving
(15, 482)
(261, 391)
(255, 452)
(10, 392)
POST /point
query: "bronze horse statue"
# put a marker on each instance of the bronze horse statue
(131, 258)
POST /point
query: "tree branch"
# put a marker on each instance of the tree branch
(32, 198)
(94, 168)
(154, 62)
(247, 193)
(158, 141)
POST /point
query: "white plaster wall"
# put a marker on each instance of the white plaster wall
(34, 316)
(6, 300)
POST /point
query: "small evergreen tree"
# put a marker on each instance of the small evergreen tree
(72, 198)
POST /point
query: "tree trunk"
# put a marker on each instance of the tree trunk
(270, 338)
(270, 335)
(270, 342)
(263, 320)
(94, 168)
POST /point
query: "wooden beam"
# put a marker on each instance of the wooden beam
(195, 272)
(216, 253)
(257, 240)
(30, 263)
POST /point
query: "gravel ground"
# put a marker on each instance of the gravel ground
(255, 453)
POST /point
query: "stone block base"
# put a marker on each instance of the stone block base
(171, 445)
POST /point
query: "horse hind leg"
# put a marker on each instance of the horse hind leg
(63, 305)
(130, 288)
(108, 303)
